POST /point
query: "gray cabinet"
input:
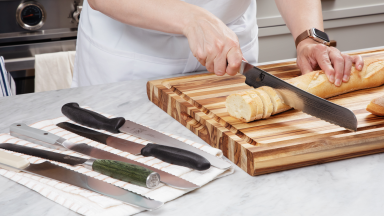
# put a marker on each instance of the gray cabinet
(354, 24)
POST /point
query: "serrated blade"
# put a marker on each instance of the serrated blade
(146, 133)
(300, 99)
(49, 170)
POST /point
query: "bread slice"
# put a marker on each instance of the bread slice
(260, 107)
(268, 105)
(376, 106)
(244, 106)
(277, 100)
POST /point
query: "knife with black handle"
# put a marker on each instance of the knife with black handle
(168, 154)
(116, 125)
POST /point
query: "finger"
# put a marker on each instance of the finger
(220, 62)
(347, 67)
(359, 62)
(322, 58)
(209, 63)
(304, 65)
(234, 58)
(338, 64)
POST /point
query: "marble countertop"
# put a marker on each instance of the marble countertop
(349, 187)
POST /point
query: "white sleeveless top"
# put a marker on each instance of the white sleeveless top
(110, 51)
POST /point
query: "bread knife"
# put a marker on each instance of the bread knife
(300, 99)
(123, 171)
(47, 169)
(116, 125)
(53, 141)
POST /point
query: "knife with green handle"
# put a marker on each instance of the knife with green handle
(116, 169)
(46, 169)
(53, 141)
(168, 154)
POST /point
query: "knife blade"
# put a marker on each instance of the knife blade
(300, 99)
(116, 125)
(53, 141)
(119, 170)
(165, 153)
(52, 171)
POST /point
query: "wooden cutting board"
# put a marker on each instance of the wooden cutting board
(284, 141)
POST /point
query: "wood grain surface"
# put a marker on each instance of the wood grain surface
(284, 141)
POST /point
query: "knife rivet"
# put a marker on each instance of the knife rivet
(45, 133)
(18, 125)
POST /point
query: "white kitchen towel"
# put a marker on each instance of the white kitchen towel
(7, 84)
(89, 203)
(54, 71)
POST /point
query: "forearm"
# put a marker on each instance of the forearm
(170, 16)
(300, 15)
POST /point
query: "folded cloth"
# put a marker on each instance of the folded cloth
(54, 71)
(89, 203)
(7, 84)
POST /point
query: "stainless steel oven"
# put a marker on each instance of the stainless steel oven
(35, 27)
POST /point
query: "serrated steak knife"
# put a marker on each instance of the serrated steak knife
(52, 171)
(300, 99)
(116, 125)
(53, 141)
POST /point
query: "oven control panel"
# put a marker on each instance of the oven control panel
(31, 15)
(25, 16)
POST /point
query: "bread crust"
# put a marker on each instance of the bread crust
(277, 100)
(376, 106)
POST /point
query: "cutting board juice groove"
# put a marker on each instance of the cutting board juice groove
(287, 140)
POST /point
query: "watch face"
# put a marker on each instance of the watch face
(321, 35)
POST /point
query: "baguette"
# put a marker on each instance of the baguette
(245, 106)
(376, 106)
(266, 101)
(316, 82)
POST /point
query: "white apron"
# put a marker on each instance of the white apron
(110, 51)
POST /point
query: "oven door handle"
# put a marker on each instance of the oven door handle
(20, 63)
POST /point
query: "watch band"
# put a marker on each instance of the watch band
(301, 37)
(306, 35)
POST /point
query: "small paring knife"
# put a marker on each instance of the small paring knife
(168, 154)
(116, 125)
(46, 169)
(116, 169)
(300, 99)
(53, 141)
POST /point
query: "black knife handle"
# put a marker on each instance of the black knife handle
(91, 119)
(176, 156)
(84, 132)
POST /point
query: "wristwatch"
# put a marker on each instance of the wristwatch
(316, 35)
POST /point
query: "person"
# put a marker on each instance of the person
(130, 39)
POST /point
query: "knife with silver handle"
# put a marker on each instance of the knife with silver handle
(116, 169)
(46, 169)
(116, 125)
(168, 154)
(53, 141)
(300, 99)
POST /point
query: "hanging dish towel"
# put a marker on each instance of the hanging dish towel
(89, 203)
(7, 84)
(54, 71)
